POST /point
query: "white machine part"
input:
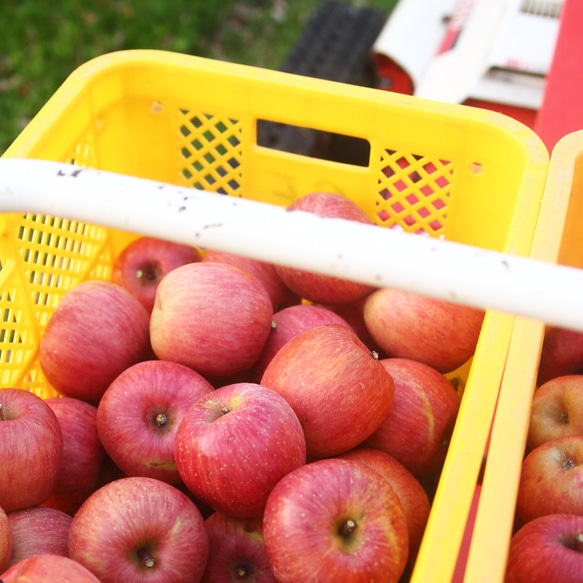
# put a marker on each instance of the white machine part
(491, 50)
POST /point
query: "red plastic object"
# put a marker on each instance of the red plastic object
(562, 109)
(458, 575)
(391, 76)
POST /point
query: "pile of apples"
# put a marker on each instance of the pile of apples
(547, 544)
(225, 419)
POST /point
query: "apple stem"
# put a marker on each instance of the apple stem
(161, 419)
(147, 560)
(375, 354)
(347, 528)
(1, 412)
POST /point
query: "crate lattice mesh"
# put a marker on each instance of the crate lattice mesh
(413, 192)
(212, 150)
(16, 345)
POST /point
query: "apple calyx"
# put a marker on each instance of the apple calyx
(374, 354)
(160, 421)
(147, 559)
(243, 570)
(573, 542)
(347, 528)
(7, 414)
(225, 410)
(148, 275)
(348, 535)
(568, 463)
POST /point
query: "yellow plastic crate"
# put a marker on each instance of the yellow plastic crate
(449, 171)
(557, 240)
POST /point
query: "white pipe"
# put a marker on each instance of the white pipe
(381, 257)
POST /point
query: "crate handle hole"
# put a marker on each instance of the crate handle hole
(313, 143)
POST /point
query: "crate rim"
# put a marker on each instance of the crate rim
(87, 71)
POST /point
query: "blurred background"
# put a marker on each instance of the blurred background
(41, 43)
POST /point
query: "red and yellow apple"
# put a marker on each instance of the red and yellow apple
(316, 287)
(417, 428)
(338, 389)
(335, 520)
(440, 334)
(235, 444)
(143, 263)
(31, 449)
(211, 317)
(557, 410)
(96, 331)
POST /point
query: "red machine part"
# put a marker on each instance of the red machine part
(562, 109)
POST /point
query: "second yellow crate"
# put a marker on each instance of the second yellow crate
(557, 240)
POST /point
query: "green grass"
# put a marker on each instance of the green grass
(41, 43)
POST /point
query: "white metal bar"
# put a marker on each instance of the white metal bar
(381, 257)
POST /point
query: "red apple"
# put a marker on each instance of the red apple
(145, 261)
(31, 449)
(335, 520)
(288, 323)
(233, 446)
(140, 412)
(96, 331)
(263, 271)
(337, 387)
(417, 429)
(5, 540)
(211, 317)
(139, 529)
(48, 569)
(557, 410)
(236, 551)
(82, 453)
(407, 325)
(315, 287)
(548, 548)
(551, 480)
(561, 354)
(39, 531)
(411, 493)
